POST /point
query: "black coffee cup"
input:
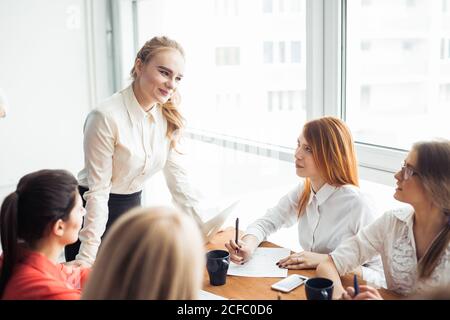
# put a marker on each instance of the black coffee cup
(217, 262)
(319, 289)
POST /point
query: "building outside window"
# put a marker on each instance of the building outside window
(403, 78)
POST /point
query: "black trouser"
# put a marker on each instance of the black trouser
(117, 205)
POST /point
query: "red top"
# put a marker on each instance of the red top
(37, 278)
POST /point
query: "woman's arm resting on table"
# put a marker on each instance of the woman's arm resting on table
(327, 269)
(302, 260)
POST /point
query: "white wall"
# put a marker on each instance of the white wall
(52, 74)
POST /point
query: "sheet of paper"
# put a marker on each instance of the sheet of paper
(262, 264)
(205, 295)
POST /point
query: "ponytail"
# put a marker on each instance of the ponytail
(8, 231)
(175, 121)
(42, 197)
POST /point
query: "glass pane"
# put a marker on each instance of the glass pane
(398, 71)
(244, 76)
(282, 54)
(296, 51)
(268, 52)
(267, 6)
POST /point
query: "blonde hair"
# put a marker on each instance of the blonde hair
(333, 152)
(175, 121)
(149, 253)
(433, 167)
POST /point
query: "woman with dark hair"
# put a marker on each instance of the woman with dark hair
(37, 220)
(414, 242)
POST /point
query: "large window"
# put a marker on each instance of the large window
(245, 71)
(398, 71)
(256, 70)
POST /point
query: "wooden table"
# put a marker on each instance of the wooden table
(250, 288)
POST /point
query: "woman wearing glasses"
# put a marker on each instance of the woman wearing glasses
(414, 242)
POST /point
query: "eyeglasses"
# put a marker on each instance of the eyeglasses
(407, 171)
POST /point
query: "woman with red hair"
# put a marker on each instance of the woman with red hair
(327, 204)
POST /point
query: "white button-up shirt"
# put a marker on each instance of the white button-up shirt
(392, 237)
(123, 147)
(332, 215)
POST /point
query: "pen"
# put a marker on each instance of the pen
(237, 233)
(355, 285)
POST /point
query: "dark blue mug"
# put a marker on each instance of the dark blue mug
(319, 289)
(217, 262)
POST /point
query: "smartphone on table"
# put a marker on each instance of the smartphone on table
(289, 283)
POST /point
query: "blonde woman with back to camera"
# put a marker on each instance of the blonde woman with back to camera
(127, 139)
(149, 254)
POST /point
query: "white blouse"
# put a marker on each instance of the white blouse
(392, 237)
(123, 147)
(332, 215)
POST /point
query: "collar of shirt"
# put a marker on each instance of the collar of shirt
(405, 214)
(41, 263)
(135, 111)
(323, 194)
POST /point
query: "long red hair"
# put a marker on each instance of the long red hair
(333, 152)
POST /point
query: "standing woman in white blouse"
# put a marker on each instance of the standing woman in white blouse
(327, 205)
(127, 139)
(414, 242)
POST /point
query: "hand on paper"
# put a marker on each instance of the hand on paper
(241, 253)
(302, 260)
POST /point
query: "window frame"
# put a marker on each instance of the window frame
(382, 161)
(325, 78)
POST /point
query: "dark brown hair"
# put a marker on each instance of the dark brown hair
(41, 199)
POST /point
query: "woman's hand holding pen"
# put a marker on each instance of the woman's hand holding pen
(302, 260)
(365, 293)
(242, 251)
